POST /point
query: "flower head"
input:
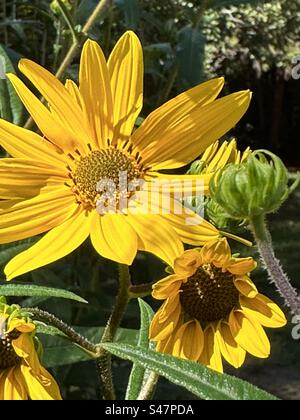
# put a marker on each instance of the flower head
(22, 376)
(57, 182)
(252, 187)
(213, 309)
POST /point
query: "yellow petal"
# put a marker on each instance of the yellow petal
(190, 227)
(245, 286)
(37, 390)
(186, 264)
(94, 86)
(155, 235)
(166, 287)
(183, 186)
(67, 112)
(21, 143)
(189, 341)
(20, 178)
(230, 349)
(211, 354)
(216, 251)
(126, 70)
(156, 125)
(264, 310)
(23, 219)
(52, 129)
(224, 155)
(249, 334)
(74, 91)
(166, 319)
(12, 386)
(113, 237)
(241, 266)
(56, 244)
(175, 145)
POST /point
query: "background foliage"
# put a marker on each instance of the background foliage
(185, 42)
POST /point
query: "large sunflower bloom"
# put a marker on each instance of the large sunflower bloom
(22, 376)
(50, 183)
(213, 309)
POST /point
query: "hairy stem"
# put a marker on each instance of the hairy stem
(104, 359)
(76, 338)
(279, 278)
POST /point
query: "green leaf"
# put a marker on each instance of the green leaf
(138, 373)
(190, 56)
(60, 351)
(40, 291)
(196, 378)
(9, 251)
(11, 107)
(131, 10)
(48, 330)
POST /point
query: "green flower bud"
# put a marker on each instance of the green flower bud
(54, 6)
(218, 217)
(258, 185)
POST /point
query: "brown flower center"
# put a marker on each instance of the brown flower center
(8, 357)
(107, 171)
(209, 295)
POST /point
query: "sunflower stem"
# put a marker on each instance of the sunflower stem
(148, 389)
(104, 359)
(77, 42)
(278, 277)
(140, 290)
(76, 338)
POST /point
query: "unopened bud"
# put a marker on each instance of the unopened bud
(259, 185)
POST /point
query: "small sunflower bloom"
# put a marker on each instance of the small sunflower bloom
(212, 309)
(22, 376)
(50, 185)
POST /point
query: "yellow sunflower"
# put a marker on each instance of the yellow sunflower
(22, 376)
(213, 309)
(88, 136)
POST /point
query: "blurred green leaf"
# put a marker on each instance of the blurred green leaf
(200, 380)
(40, 291)
(60, 351)
(190, 56)
(9, 251)
(11, 107)
(131, 10)
(138, 372)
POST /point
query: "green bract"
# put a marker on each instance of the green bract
(257, 186)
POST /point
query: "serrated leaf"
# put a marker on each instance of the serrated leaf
(60, 351)
(11, 107)
(190, 56)
(40, 291)
(196, 378)
(138, 372)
